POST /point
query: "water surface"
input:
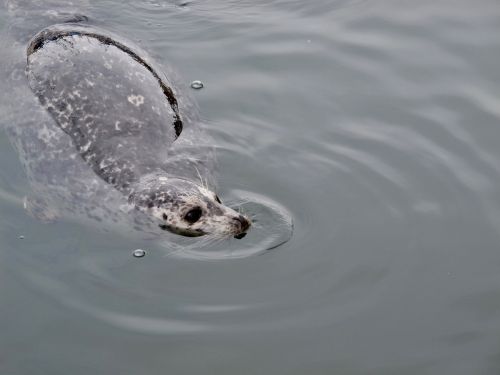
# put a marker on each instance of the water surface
(374, 124)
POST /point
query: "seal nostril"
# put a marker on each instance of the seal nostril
(243, 221)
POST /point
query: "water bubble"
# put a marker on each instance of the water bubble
(197, 85)
(21, 237)
(139, 253)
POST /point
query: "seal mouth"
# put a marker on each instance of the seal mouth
(182, 232)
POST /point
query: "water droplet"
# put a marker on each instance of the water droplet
(197, 85)
(139, 253)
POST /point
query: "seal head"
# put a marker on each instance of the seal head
(186, 208)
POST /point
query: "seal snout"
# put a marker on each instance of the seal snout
(242, 222)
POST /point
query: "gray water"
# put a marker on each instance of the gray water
(373, 124)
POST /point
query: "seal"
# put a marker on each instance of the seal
(122, 117)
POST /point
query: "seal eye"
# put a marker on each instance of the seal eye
(217, 199)
(193, 215)
(165, 217)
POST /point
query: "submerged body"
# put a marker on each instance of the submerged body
(110, 136)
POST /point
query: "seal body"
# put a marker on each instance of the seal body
(108, 136)
(118, 111)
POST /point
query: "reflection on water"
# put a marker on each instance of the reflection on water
(374, 125)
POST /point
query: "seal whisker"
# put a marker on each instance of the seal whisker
(201, 178)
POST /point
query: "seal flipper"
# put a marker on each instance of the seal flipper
(39, 209)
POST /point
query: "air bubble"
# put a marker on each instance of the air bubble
(197, 85)
(139, 253)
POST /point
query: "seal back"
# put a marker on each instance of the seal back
(118, 111)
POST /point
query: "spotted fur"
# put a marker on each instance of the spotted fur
(122, 117)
